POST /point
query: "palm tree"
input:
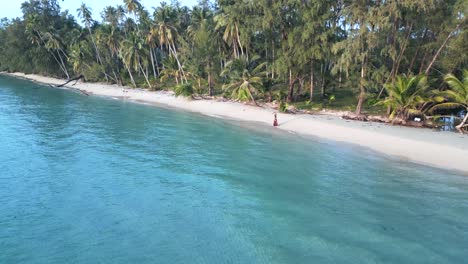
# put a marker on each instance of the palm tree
(457, 96)
(77, 58)
(151, 40)
(406, 96)
(164, 16)
(171, 69)
(133, 6)
(110, 16)
(108, 36)
(53, 43)
(132, 54)
(85, 14)
(231, 32)
(36, 37)
(245, 78)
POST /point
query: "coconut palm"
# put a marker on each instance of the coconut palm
(110, 16)
(228, 24)
(152, 41)
(456, 96)
(132, 6)
(406, 96)
(85, 13)
(171, 69)
(133, 55)
(46, 40)
(167, 32)
(54, 44)
(245, 78)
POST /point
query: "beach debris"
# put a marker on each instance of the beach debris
(291, 109)
(353, 116)
(71, 80)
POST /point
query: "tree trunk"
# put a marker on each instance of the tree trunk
(462, 124)
(98, 56)
(156, 62)
(340, 78)
(152, 64)
(131, 76)
(63, 65)
(145, 75)
(299, 90)
(119, 82)
(322, 84)
(311, 81)
(251, 96)
(71, 80)
(210, 84)
(174, 52)
(362, 93)
(413, 60)
(238, 40)
(428, 69)
(402, 52)
(422, 62)
(291, 87)
(64, 70)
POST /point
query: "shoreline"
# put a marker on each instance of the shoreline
(444, 150)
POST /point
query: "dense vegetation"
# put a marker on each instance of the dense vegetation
(312, 53)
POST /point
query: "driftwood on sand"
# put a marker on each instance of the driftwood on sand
(395, 121)
(76, 79)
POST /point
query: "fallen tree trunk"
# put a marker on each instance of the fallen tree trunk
(71, 80)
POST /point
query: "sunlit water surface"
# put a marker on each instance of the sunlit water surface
(93, 180)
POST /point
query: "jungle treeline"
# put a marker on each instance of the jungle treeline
(312, 51)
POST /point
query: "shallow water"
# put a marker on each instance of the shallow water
(93, 180)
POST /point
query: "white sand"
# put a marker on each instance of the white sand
(446, 150)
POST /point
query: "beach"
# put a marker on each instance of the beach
(446, 150)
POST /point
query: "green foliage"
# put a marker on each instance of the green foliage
(93, 72)
(455, 97)
(283, 107)
(250, 50)
(185, 90)
(406, 96)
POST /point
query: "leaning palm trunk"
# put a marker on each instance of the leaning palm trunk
(152, 63)
(145, 75)
(463, 123)
(131, 76)
(251, 96)
(450, 35)
(98, 56)
(174, 52)
(155, 56)
(62, 67)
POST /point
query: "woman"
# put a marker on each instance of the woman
(275, 121)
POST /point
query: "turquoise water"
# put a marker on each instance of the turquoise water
(93, 180)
